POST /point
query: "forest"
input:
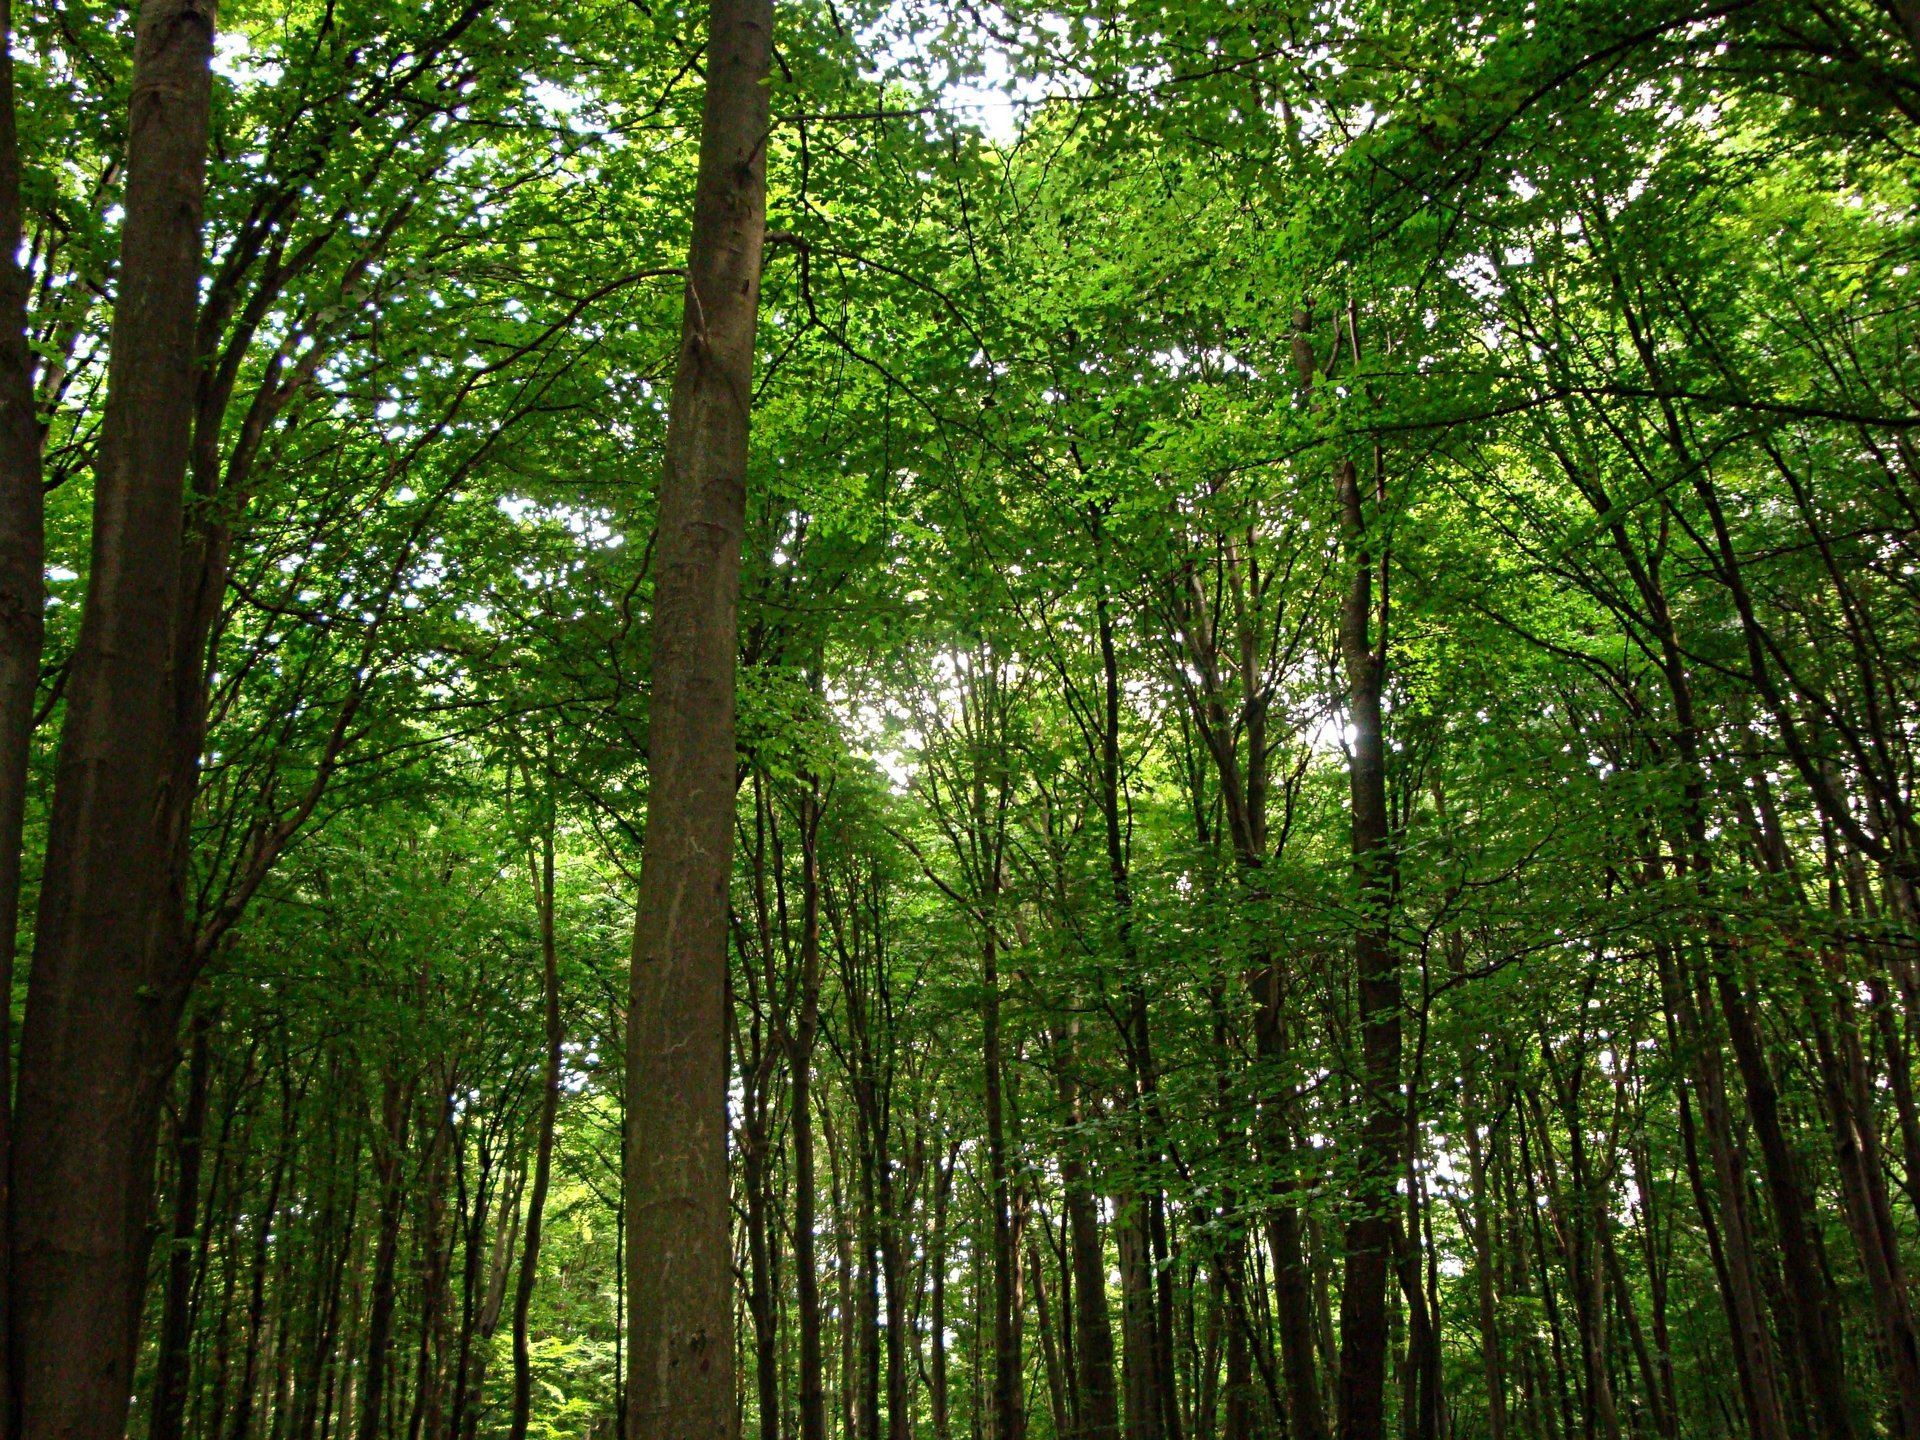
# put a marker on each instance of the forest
(960, 719)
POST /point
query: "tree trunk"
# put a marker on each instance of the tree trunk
(680, 1280)
(1363, 652)
(1049, 1345)
(1145, 1413)
(257, 1267)
(22, 612)
(395, 1102)
(106, 990)
(1009, 1375)
(937, 1258)
(806, 1265)
(543, 1144)
(172, 1365)
(1098, 1409)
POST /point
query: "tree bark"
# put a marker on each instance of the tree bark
(680, 1278)
(106, 992)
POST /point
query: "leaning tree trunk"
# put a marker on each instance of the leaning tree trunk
(98, 1040)
(680, 1279)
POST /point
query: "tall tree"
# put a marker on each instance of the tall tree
(107, 987)
(680, 1265)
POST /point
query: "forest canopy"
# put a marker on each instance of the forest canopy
(1077, 720)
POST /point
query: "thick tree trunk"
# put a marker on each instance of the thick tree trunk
(543, 1143)
(22, 614)
(106, 991)
(680, 1268)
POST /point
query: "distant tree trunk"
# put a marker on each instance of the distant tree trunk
(680, 1278)
(1009, 1374)
(435, 1261)
(172, 1369)
(1098, 1410)
(937, 1258)
(812, 1381)
(1492, 1354)
(543, 1144)
(1049, 1346)
(106, 990)
(506, 1238)
(1145, 1414)
(257, 1266)
(1363, 652)
(390, 1171)
(1165, 1365)
(893, 1269)
(1292, 1287)
(757, 1184)
(1144, 1373)
(310, 1389)
(867, 1161)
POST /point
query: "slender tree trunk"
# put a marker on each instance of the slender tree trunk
(680, 1280)
(107, 984)
(866, 1163)
(893, 1270)
(172, 1368)
(806, 1265)
(937, 1258)
(1492, 1355)
(1098, 1409)
(1363, 651)
(395, 1102)
(757, 1185)
(257, 1269)
(312, 1387)
(543, 1143)
(1292, 1292)
(1145, 1414)
(1009, 1374)
(506, 1239)
(1049, 1345)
